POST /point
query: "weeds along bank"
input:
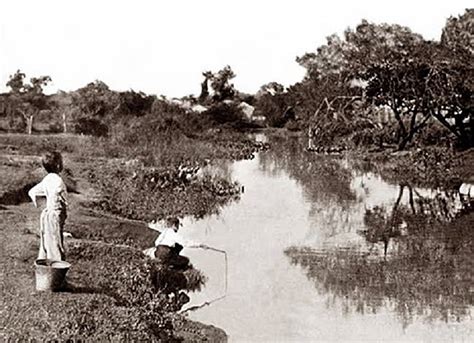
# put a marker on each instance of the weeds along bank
(146, 168)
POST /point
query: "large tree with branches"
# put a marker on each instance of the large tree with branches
(28, 98)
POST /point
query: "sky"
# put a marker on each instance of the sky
(162, 47)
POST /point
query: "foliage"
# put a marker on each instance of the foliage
(458, 35)
(273, 107)
(134, 103)
(28, 98)
(332, 70)
(222, 113)
(394, 67)
(148, 193)
(220, 84)
(271, 88)
(94, 100)
(91, 126)
(372, 44)
(424, 85)
(328, 59)
(205, 87)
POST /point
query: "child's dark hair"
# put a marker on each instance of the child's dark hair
(52, 161)
(172, 222)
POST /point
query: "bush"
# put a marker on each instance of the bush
(434, 135)
(224, 112)
(91, 126)
(133, 103)
(273, 108)
(55, 127)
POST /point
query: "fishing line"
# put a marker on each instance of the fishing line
(207, 303)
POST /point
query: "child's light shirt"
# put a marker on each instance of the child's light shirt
(54, 189)
(169, 237)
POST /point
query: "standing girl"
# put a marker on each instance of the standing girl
(54, 215)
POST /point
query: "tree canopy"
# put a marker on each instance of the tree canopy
(28, 98)
(392, 67)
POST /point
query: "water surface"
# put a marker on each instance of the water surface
(318, 250)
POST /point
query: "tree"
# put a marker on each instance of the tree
(29, 99)
(366, 54)
(205, 87)
(326, 84)
(92, 105)
(271, 102)
(458, 34)
(220, 84)
(418, 79)
(329, 59)
(95, 100)
(373, 44)
(456, 103)
(450, 97)
(271, 88)
(401, 85)
(427, 83)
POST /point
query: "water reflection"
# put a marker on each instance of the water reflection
(365, 259)
(374, 245)
(323, 177)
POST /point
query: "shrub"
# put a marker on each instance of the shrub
(91, 126)
(273, 108)
(55, 127)
(224, 112)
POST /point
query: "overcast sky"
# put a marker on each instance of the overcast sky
(162, 47)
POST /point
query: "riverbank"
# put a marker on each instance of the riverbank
(114, 292)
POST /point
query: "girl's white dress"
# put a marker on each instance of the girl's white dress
(53, 216)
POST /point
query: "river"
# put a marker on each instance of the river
(321, 251)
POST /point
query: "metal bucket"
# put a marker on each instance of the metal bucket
(50, 274)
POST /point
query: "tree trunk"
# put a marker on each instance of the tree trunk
(64, 122)
(29, 123)
(405, 140)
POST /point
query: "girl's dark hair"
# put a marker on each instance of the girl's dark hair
(52, 161)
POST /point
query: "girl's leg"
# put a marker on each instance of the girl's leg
(42, 251)
(52, 237)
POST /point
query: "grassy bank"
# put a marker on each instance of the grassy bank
(114, 292)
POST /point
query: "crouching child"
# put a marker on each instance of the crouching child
(169, 244)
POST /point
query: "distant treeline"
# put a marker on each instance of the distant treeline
(378, 85)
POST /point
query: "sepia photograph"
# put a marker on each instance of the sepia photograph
(236, 171)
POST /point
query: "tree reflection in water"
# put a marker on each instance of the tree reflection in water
(425, 269)
(323, 177)
(428, 273)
